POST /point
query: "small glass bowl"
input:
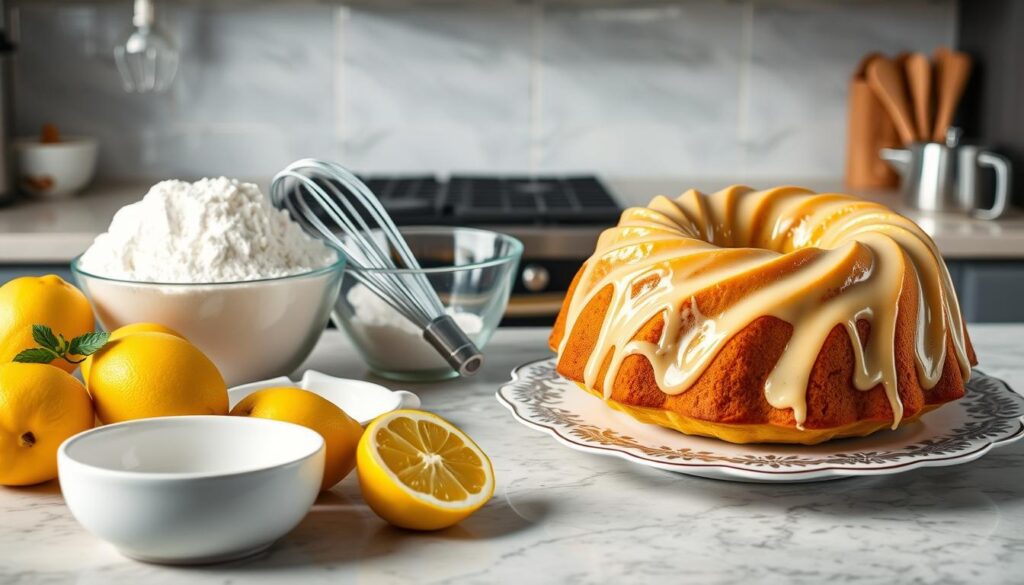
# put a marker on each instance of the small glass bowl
(472, 271)
(252, 330)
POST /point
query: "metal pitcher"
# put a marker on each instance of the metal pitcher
(945, 177)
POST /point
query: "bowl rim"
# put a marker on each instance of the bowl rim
(66, 141)
(163, 476)
(336, 266)
(514, 254)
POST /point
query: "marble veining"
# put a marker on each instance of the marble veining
(561, 516)
(639, 91)
(436, 88)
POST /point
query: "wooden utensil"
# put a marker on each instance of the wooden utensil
(886, 80)
(918, 70)
(901, 59)
(952, 69)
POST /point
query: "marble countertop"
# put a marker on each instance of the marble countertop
(55, 231)
(561, 516)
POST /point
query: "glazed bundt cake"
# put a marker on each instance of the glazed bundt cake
(765, 316)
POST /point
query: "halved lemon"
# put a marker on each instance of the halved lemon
(418, 471)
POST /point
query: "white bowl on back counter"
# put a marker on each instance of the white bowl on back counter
(252, 330)
(191, 489)
(57, 169)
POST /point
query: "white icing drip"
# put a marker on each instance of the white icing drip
(853, 256)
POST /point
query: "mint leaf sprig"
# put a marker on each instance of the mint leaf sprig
(54, 346)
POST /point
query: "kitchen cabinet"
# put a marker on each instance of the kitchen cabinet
(989, 291)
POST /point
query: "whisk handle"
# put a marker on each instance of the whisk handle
(454, 345)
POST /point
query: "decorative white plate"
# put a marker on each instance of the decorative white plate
(363, 401)
(989, 415)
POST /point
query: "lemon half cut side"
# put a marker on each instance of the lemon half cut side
(419, 471)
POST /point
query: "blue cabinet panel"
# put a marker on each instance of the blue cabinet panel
(992, 292)
(12, 271)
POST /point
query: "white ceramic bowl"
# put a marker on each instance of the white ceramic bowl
(363, 401)
(191, 489)
(58, 169)
(251, 330)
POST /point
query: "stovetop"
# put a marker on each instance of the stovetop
(496, 200)
(557, 218)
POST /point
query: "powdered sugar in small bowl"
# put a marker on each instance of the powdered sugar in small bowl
(472, 271)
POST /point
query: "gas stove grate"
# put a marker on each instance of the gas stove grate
(495, 200)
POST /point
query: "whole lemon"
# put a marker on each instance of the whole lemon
(151, 374)
(340, 431)
(128, 330)
(40, 407)
(42, 300)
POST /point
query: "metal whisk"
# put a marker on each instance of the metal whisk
(147, 59)
(316, 192)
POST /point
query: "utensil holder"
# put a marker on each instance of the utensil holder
(869, 130)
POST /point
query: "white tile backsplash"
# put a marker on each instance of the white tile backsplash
(751, 89)
(802, 55)
(640, 91)
(436, 88)
(269, 67)
(254, 90)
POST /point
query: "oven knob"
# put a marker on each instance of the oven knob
(535, 277)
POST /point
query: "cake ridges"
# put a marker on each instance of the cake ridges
(855, 255)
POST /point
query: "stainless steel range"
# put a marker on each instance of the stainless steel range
(558, 219)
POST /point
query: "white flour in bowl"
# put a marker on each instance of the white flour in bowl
(213, 230)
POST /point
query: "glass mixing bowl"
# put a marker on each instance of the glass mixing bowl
(252, 330)
(472, 271)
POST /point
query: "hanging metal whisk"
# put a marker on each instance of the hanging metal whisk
(333, 204)
(147, 58)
